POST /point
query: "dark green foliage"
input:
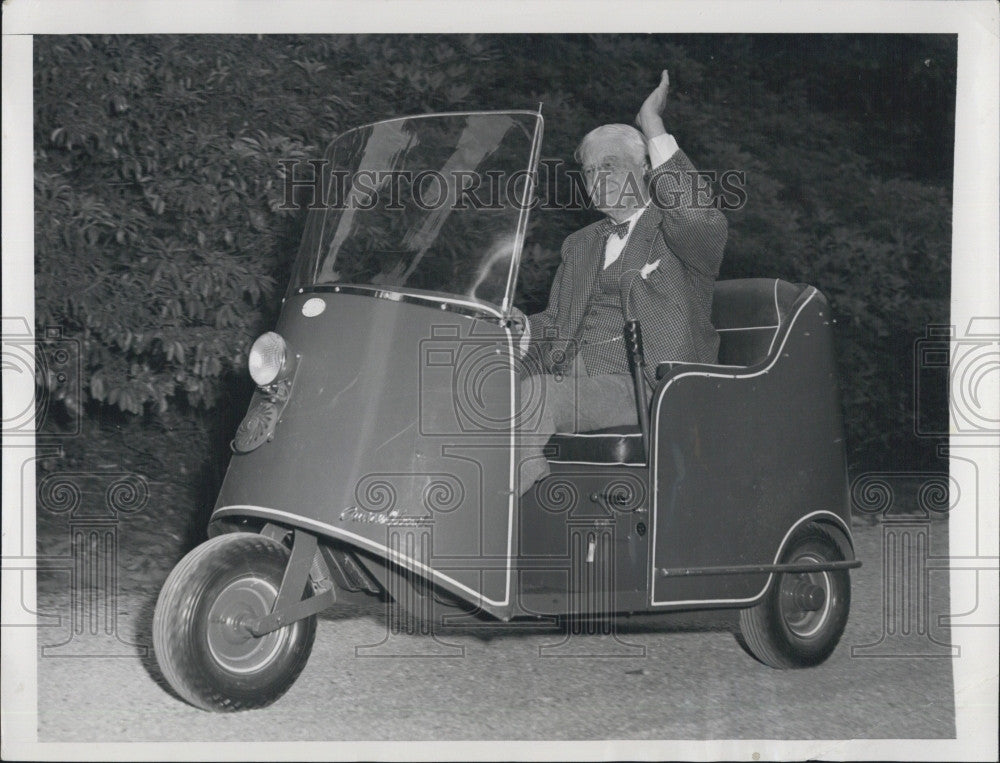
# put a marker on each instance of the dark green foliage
(161, 245)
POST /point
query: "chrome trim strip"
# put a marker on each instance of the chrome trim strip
(685, 573)
(461, 306)
(777, 316)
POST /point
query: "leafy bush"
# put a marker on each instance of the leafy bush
(162, 244)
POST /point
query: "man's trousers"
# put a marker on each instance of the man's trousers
(575, 402)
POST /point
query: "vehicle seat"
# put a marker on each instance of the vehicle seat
(614, 445)
(747, 313)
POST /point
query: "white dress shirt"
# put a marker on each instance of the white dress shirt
(661, 148)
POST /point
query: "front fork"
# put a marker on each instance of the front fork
(305, 562)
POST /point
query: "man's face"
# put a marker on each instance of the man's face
(613, 178)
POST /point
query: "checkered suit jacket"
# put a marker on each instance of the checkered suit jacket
(673, 304)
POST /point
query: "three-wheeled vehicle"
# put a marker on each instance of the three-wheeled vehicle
(380, 452)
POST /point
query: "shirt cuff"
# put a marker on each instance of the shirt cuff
(661, 148)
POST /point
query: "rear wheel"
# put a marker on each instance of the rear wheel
(201, 635)
(803, 615)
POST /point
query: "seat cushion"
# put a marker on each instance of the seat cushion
(614, 445)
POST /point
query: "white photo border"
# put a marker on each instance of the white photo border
(975, 292)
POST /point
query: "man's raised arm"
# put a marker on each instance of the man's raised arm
(693, 228)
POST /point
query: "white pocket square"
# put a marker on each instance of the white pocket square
(648, 268)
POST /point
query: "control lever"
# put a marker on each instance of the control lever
(637, 365)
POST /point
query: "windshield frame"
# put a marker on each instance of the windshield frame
(525, 203)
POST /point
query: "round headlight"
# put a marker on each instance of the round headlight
(267, 358)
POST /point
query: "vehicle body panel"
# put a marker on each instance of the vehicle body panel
(741, 457)
(584, 541)
(374, 445)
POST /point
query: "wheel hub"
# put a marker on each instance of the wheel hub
(804, 600)
(230, 639)
(809, 597)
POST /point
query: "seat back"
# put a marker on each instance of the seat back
(748, 313)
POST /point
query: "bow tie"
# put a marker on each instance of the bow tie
(610, 227)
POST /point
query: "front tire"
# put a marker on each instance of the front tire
(803, 615)
(200, 637)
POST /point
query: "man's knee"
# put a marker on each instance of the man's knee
(548, 400)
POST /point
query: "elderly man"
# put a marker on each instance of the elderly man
(656, 255)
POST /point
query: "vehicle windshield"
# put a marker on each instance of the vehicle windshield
(433, 203)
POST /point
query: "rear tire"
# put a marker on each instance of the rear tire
(794, 626)
(202, 644)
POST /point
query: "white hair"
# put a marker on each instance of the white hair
(631, 141)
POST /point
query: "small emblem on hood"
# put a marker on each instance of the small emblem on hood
(313, 307)
(392, 517)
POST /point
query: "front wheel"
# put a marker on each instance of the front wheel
(202, 642)
(803, 614)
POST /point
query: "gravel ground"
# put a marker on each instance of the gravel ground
(686, 678)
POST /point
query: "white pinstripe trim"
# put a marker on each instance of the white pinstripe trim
(749, 375)
(654, 444)
(601, 463)
(511, 476)
(402, 559)
(750, 328)
(777, 556)
(597, 434)
(360, 540)
(777, 316)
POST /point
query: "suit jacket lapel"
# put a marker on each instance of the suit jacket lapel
(585, 277)
(637, 249)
